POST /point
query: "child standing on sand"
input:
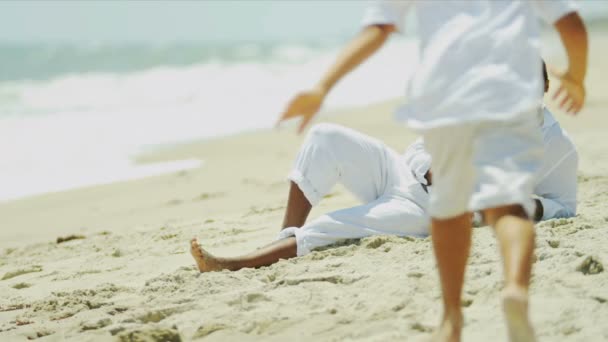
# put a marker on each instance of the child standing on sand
(474, 98)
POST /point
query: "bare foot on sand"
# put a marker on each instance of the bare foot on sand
(205, 261)
(449, 331)
(515, 307)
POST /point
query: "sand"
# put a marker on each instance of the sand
(125, 272)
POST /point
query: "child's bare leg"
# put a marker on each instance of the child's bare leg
(270, 254)
(451, 244)
(515, 232)
(298, 207)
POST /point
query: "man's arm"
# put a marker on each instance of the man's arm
(574, 37)
(365, 44)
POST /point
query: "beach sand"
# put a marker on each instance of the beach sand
(127, 273)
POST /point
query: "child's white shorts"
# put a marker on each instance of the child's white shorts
(484, 165)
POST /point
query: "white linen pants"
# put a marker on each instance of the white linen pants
(393, 201)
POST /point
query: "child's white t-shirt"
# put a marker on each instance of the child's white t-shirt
(479, 60)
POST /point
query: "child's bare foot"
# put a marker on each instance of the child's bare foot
(449, 331)
(205, 261)
(515, 307)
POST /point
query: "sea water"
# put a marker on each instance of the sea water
(75, 112)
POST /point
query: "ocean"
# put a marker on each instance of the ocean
(76, 113)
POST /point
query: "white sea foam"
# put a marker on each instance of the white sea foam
(82, 129)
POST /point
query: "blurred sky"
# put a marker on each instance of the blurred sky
(170, 21)
(159, 21)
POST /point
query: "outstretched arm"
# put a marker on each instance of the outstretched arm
(574, 37)
(356, 52)
(306, 104)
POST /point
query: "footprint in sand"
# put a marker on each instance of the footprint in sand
(208, 195)
(102, 323)
(422, 327)
(259, 211)
(12, 307)
(375, 241)
(156, 316)
(590, 265)
(21, 271)
(117, 310)
(208, 329)
(20, 286)
(150, 334)
(249, 298)
(333, 279)
(63, 239)
(62, 305)
(40, 333)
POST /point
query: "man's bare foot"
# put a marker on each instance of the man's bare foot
(515, 307)
(205, 261)
(449, 331)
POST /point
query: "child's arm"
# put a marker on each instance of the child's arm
(356, 52)
(574, 37)
(308, 103)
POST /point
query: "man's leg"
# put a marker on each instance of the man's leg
(557, 181)
(296, 213)
(334, 154)
(298, 207)
(268, 255)
(390, 215)
(515, 233)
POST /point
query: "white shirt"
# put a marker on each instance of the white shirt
(556, 182)
(479, 59)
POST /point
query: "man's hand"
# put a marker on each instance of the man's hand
(305, 104)
(571, 92)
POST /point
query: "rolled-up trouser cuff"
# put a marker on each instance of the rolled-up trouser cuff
(312, 195)
(302, 246)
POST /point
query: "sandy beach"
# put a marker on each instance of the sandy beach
(126, 273)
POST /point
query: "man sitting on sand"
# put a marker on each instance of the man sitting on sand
(393, 188)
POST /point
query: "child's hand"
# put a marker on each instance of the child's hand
(571, 91)
(305, 104)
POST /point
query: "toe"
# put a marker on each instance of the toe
(194, 248)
